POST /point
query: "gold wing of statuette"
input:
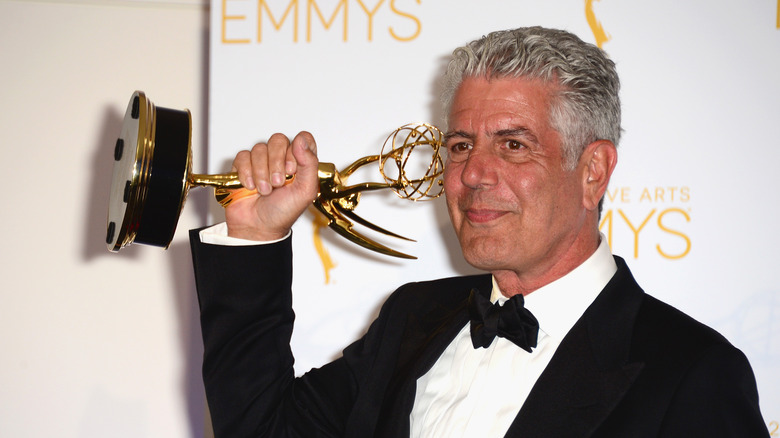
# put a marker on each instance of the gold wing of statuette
(337, 202)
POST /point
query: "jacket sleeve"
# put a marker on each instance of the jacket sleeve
(245, 301)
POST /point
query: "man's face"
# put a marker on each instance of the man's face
(513, 205)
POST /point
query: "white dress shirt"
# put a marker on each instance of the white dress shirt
(478, 392)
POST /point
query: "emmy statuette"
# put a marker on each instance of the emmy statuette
(152, 176)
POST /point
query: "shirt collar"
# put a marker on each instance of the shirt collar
(577, 289)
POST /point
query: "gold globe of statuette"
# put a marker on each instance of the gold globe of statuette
(398, 157)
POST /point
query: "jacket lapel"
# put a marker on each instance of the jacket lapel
(429, 329)
(590, 372)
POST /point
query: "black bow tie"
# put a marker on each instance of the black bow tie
(511, 321)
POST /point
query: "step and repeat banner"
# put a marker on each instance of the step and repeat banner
(692, 207)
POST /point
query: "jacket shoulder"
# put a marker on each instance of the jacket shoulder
(452, 290)
(664, 332)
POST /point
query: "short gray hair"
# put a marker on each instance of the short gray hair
(587, 107)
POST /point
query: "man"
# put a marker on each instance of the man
(533, 126)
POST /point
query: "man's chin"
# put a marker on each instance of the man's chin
(483, 257)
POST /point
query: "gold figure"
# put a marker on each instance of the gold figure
(318, 223)
(595, 25)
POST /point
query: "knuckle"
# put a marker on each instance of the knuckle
(278, 137)
(259, 148)
(241, 159)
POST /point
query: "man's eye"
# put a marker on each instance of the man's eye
(513, 145)
(459, 151)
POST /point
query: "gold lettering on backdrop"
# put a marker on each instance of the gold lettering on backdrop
(666, 217)
(636, 230)
(262, 5)
(606, 218)
(225, 19)
(674, 232)
(409, 16)
(778, 14)
(622, 194)
(595, 25)
(371, 16)
(665, 194)
(326, 23)
(272, 15)
(655, 194)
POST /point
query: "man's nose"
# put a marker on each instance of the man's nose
(479, 170)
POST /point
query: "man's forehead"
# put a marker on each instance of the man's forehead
(501, 102)
(502, 117)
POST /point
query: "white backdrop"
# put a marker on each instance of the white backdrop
(692, 206)
(93, 344)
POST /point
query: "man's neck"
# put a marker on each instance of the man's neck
(513, 282)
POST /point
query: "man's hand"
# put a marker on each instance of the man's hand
(270, 214)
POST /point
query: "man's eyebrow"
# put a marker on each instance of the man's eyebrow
(511, 132)
(450, 134)
(516, 132)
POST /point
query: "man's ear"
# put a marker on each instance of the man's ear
(598, 160)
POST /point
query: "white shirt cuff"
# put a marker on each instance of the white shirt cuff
(218, 235)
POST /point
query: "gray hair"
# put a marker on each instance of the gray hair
(587, 106)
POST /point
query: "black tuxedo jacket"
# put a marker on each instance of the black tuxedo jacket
(630, 367)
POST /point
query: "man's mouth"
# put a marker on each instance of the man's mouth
(481, 216)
